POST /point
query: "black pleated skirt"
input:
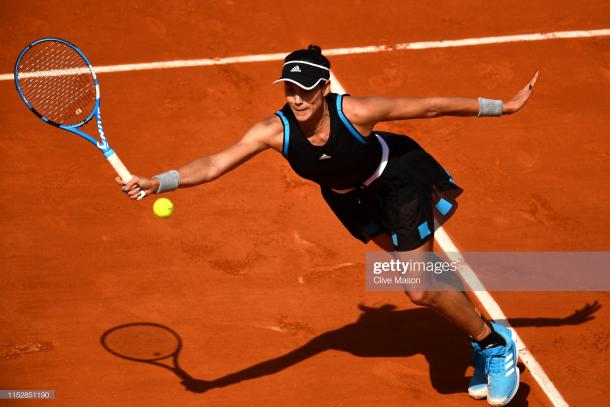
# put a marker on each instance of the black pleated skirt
(413, 191)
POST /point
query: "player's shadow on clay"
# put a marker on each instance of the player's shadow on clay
(388, 332)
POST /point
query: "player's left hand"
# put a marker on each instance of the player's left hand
(518, 101)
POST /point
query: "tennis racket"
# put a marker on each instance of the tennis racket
(58, 84)
(146, 342)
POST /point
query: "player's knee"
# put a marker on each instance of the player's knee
(423, 298)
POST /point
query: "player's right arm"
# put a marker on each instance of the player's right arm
(205, 169)
(263, 135)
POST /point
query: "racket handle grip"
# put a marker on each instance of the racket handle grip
(119, 167)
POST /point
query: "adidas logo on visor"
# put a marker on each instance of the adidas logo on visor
(295, 69)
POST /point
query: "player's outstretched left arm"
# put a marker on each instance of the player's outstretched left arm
(365, 112)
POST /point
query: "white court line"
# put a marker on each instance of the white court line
(492, 307)
(348, 51)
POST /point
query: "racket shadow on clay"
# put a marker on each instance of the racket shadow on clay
(150, 343)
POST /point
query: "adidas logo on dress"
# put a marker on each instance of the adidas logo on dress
(296, 69)
(324, 157)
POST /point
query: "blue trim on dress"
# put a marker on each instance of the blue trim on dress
(450, 177)
(286, 133)
(394, 239)
(424, 230)
(443, 206)
(347, 123)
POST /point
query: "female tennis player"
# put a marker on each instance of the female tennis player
(383, 187)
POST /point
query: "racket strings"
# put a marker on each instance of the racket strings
(56, 94)
(47, 67)
(74, 101)
(57, 82)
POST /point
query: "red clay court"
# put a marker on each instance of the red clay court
(253, 272)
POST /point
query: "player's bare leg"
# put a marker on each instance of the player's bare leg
(452, 304)
(496, 376)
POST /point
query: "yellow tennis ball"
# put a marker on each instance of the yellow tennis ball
(163, 208)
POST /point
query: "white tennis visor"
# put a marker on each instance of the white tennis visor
(306, 75)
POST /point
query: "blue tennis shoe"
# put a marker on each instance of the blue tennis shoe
(501, 368)
(477, 388)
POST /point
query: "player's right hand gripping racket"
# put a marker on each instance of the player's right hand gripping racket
(58, 84)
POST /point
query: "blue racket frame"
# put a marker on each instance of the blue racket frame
(102, 144)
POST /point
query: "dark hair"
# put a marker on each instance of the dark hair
(313, 54)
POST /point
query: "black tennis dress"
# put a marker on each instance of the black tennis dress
(382, 183)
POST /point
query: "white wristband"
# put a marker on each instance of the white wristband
(490, 107)
(168, 181)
